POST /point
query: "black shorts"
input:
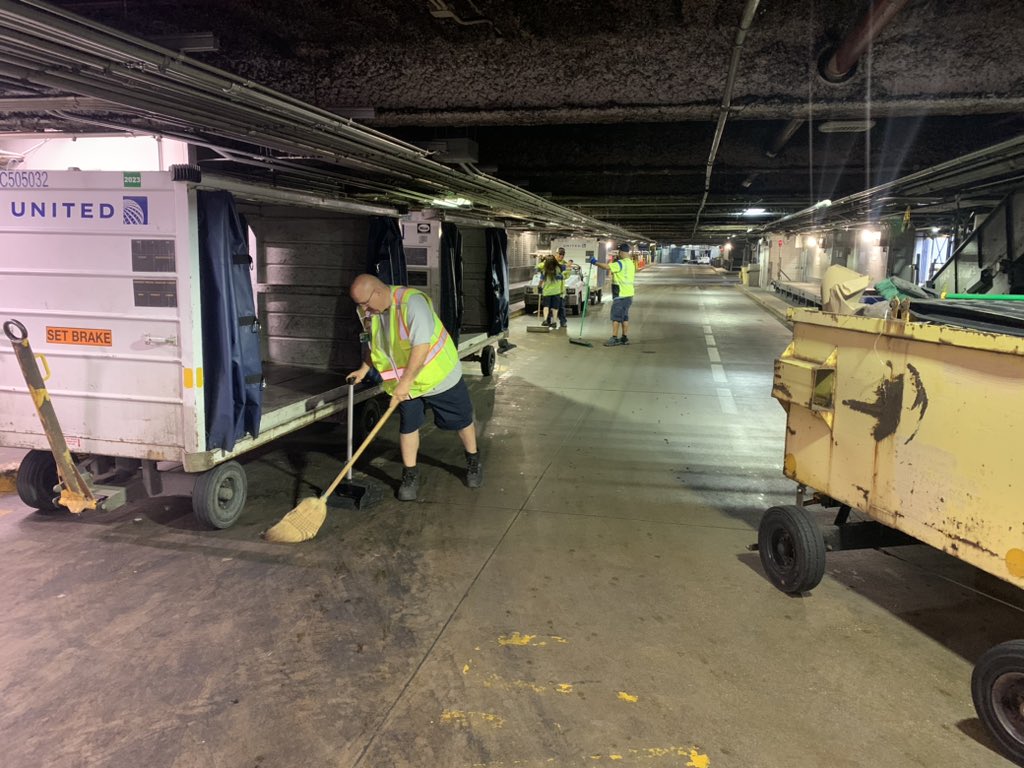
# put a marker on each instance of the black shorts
(453, 410)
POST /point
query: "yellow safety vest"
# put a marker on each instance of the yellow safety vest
(623, 277)
(441, 359)
(553, 286)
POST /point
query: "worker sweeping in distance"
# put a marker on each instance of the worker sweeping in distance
(420, 367)
(552, 288)
(623, 272)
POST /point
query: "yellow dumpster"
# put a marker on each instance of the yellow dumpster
(913, 424)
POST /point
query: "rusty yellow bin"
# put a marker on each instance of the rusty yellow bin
(912, 424)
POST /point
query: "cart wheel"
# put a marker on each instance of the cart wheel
(997, 687)
(219, 495)
(487, 359)
(792, 549)
(367, 415)
(37, 476)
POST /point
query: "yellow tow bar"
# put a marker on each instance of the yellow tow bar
(75, 493)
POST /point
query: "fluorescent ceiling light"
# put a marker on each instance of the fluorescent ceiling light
(846, 126)
(754, 212)
(454, 202)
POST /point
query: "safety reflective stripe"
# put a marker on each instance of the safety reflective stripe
(396, 373)
(403, 329)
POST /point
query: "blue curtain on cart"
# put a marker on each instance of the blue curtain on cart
(232, 367)
(497, 280)
(385, 256)
(451, 308)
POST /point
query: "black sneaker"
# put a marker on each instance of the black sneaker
(623, 340)
(410, 484)
(474, 471)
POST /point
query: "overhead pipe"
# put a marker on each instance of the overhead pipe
(723, 111)
(333, 118)
(840, 66)
(161, 74)
(784, 136)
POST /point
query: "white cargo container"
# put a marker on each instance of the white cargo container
(102, 269)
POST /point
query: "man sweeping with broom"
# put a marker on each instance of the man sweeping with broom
(420, 367)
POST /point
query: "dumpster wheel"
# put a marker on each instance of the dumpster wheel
(37, 476)
(219, 495)
(792, 549)
(997, 687)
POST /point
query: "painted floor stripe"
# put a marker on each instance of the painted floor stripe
(710, 341)
(718, 372)
(727, 403)
(713, 354)
(707, 329)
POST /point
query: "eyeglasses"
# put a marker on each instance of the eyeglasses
(366, 304)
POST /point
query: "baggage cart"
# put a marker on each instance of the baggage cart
(105, 272)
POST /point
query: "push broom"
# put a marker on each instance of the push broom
(304, 522)
(583, 315)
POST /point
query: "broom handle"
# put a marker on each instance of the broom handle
(586, 300)
(359, 452)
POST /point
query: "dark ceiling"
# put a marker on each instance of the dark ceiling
(611, 107)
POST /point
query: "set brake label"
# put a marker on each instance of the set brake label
(90, 337)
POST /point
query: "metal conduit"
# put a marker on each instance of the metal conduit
(108, 65)
(948, 176)
(244, 133)
(723, 112)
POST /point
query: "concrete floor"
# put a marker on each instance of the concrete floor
(594, 605)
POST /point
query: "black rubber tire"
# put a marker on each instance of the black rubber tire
(997, 687)
(367, 415)
(488, 357)
(37, 476)
(219, 495)
(792, 549)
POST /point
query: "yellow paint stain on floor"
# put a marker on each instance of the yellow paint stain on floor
(623, 696)
(519, 639)
(697, 760)
(563, 688)
(468, 718)
(515, 639)
(465, 669)
(7, 484)
(651, 754)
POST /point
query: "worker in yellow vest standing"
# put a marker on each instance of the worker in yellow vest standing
(420, 366)
(623, 272)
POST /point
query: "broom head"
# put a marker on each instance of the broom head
(301, 524)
